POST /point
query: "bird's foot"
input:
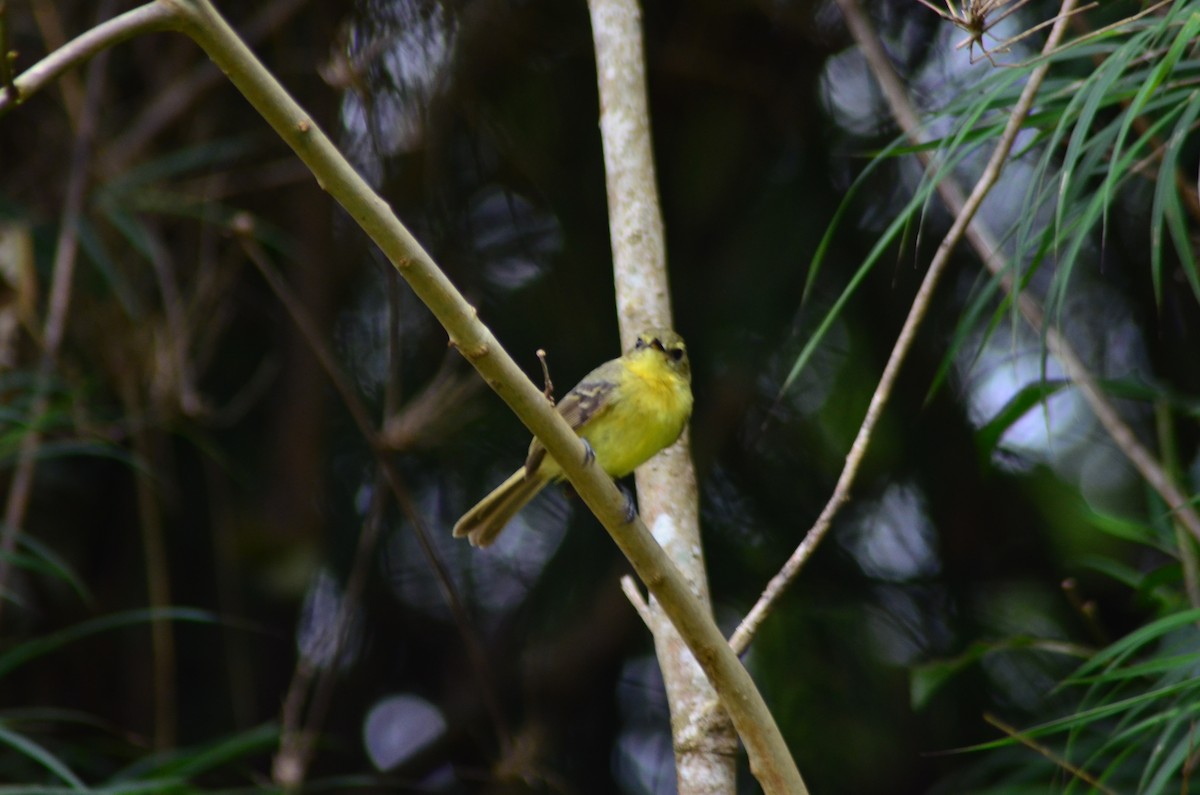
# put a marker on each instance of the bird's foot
(630, 508)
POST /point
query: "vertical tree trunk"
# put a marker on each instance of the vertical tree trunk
(704, 739)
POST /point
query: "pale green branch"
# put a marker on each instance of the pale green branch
(149, 18)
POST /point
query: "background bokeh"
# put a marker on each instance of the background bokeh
(193, 439)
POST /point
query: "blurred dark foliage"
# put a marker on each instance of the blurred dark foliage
(478, 122)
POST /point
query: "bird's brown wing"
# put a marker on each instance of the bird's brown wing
(580, 406)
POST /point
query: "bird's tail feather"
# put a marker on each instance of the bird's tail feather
(484, 522)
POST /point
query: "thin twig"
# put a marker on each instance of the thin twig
(1186, 545)
(1006, 45)
(1086, 608)
(58, 307)
(7, 87)
(147, 447)
(394, 388)
(630, 589)
(178, 337)
(47, 18)
(300, 728)
(389, 475)
(548, 389)
(231, 601)
(288, 768)
(155, 16)
(965, 210)
(1108, 29)
(1189, 764)
(1065, 764)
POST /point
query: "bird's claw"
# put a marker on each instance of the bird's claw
(589, 455)
(630, 508)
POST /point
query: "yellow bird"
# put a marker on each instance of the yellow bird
(626, 410)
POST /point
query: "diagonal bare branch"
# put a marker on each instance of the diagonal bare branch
(964, 209)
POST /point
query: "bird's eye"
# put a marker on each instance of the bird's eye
(677, 354)
(641, 343)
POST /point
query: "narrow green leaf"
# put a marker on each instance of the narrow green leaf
(188, 160)
(881, 244)
(186, 763)
(27, 747)
(98, 254)
(31, 649)
(67, 448)
(1026, 399)
(1167, 204)
(1140, 637)
(1149, 86)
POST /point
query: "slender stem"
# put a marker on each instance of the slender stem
(7, 86)
(58, 306)
(155, 16)
(292, 760)
(147, 446)
(1164, 424)
(296, 744)
(47, 18)
(964, 209)
(1048, 753)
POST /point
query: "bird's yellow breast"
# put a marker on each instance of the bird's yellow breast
(647, 412)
